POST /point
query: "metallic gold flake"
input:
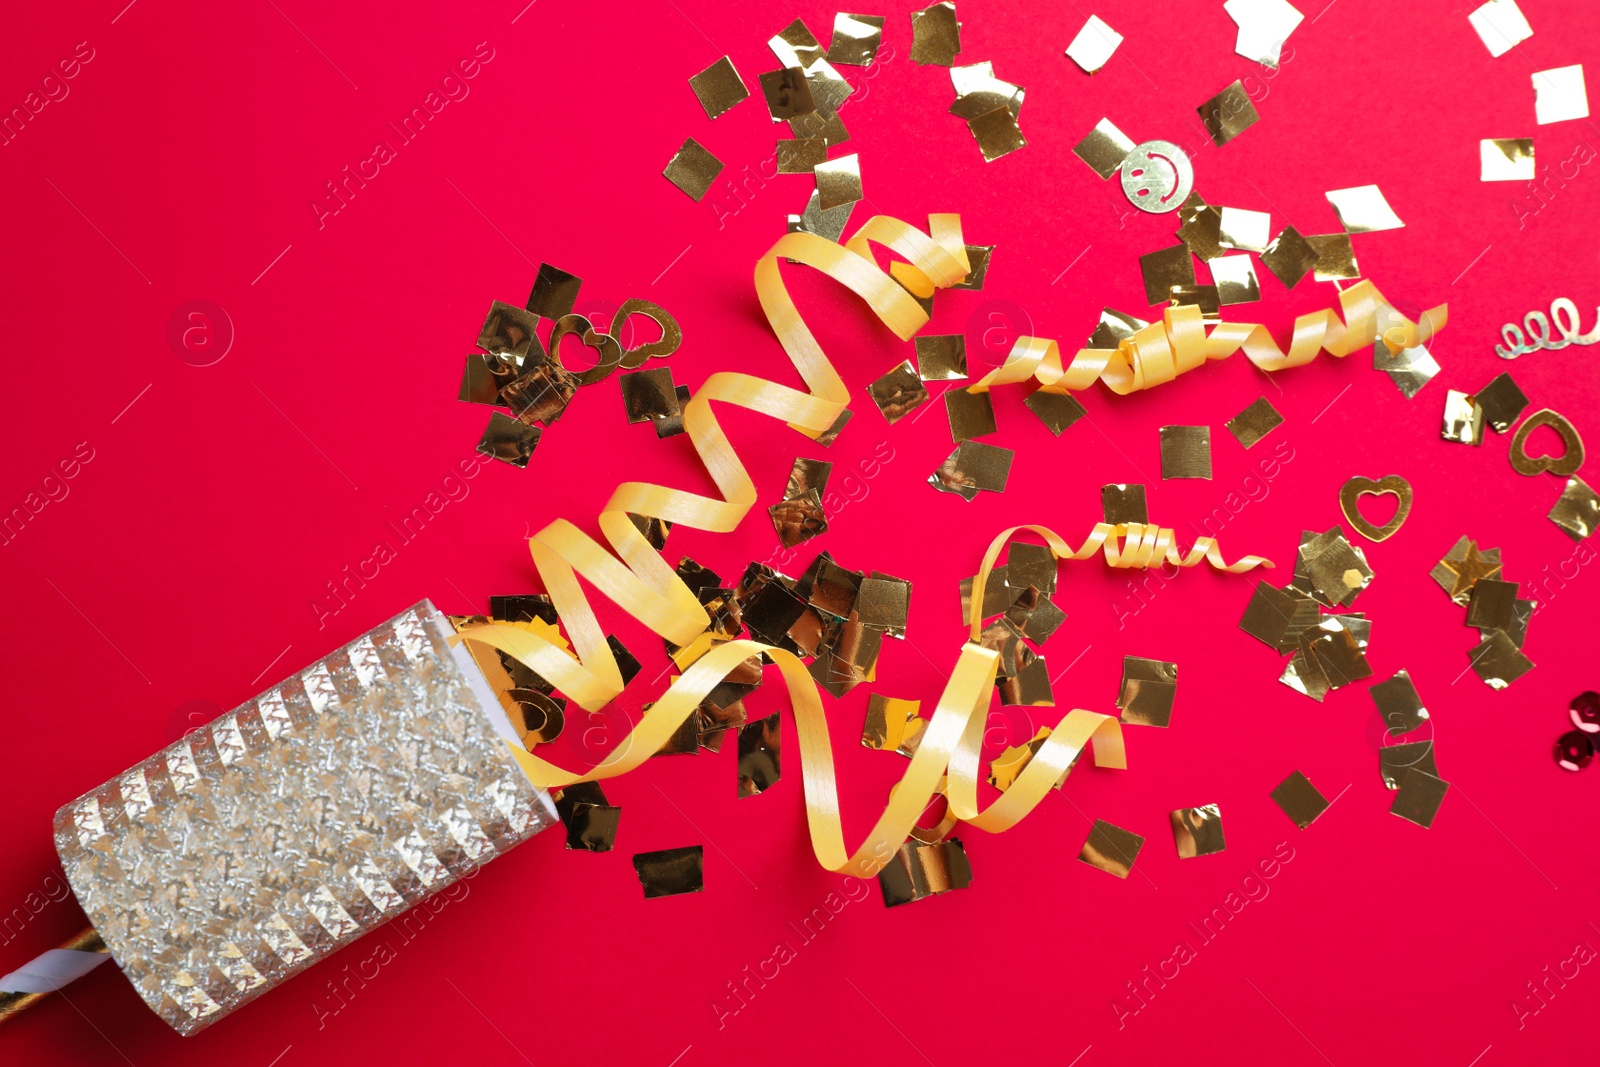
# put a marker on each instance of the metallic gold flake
(978, 261)
(591, 823)
(1228, 114)
(972, 468)
(1336, 257)
(1247, 231)
(826, 126)
(1502, 401)
(1113, 328)
(898, 393)
(1461, 568)
(510, 332)
(1254, 422)
(1331, 569)
(1299, 799)
(509, 440)
(1204, 297)
(672, 425)
(1521, 615)
(1290, 257)
(971, 414)
(538, 718)
(1577, 510)
(1148, 688)
(1338, 646)
(787, 92)
(1094, 45)
(935, 35)
(1560, 95)
(1029, 687)
(1303, 673)
(1040, 622)
(1264, 26)
(807, 475)
(1005, 639)
(649, 394)
(1104, 148)
(1009, 764)
(718, 87)
(1506, 160)
(1492, 605)
(883, 603)
(889, 719)
(554, 292)
(671, 871)
(1498, 660)
(827, 224)
(1235, 277)
(1165, 270)
(839, 181)
(654, 530)
(796, 46)
(1029, 564)
(483, 376)
(1398, 704)
(801, 155)
(1363, 209)
(1111, 848)
(997, 594)
(941, 357)
(1202, 232)
(798, 518)
(1463, 419)
(1057, 411)
(1409, 368)
(684, 741)
(1198, 831)
(856, 39)
(758, 755)
(1396, 761)
(1501, 26)
(693, 169)
(1277, 617)
(1124, 503)
(979, 91)
(1186, 452)
(920, 871)
(1571, 457)
(997, 133)
(1419, 798)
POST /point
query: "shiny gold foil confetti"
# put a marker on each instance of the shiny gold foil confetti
(798, 518)
(1419, 797)
(1336, 257)
(1331, 569)
(883, 603)
(935, 35)
(1264, 26)
(1396, 761)
(591, 823)
(555, 291)
(671, 871)
(1277, 617)
(856, 39)
(1338, 644)
(997, 594)
(819, 125)
(1303, 674)
(889, 721)
(796, 46)
(1094, 45)
(1299, 799)
(1198, 831)
(971, 414)
(801, 155)
(1057, 411)
(1463, 419)
(509, 440)
(1398, 704)
(788, 93)
(1506, 160)
(1204, 297)
(839, 181)
(1004, 768)
(718, 87)
(979, 91)
(1114, 327)
(1492, 604)
(1148, 688)
(1560, 95)
(997, 133)
(1111, 848)
(1029, 687)
(898, 393)
(1461, 568)
(1577, 510)
(1228, 114)
(1029, 564)
(978, 260)
(693, 169)
(1502, 401)
(1567, 462)
(510, 332)
(1124, 503)
(672, 425)
(1186, 452)
(1039, 621)
(1202, 232)
(972, 468)
(1363, 209)
(1521, 615)
(808, 475)
(827, 224)
(1165, 270)
(1409, 368)
(1235, 277)
(1246, 231)
(758, 755)
(1290, 257)
(483, 376)
(649, 394)
(1104, 148)
(1501, 26)
(941, 357)
(1498, 660)
(920, 871)
(1254, 423)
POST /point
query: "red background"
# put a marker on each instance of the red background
(178, 577)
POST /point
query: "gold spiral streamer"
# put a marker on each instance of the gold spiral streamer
(641, 582)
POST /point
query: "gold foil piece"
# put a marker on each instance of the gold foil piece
(1409, 368)
(1399, 704)
(649, 394)
(1148, 688)
(979, 91)
(672, 425)
(1577, 509)
(1204, 297)
(1299, 799)
(1419, 798)
(883, 603)
(1277, 617)
(483, 376)
(1396, 761)
(537, 717)
(510, 333)
(1198, 831)
(829, 225)
(1559, 95)
(1253, 423)
(978, 258)
(1202, 232)
(1501, 26)
(796, 46)
(1038, 623)
(1247, 231)
(801, 155)
(973, 468)
(997, 133)
(935, 35)
(1165, 270)
(1228, 114)
(971, 414)
(1567, 463)
(1058, 411)
(1124, 503)
(509, 440)
(1357, 487)
(554, 292)
(919, 871)
(787, 92)
(1235, 277)
(758, 755)
(942, 357)
(798, 518)
(1463, 419)
(898, 393)
(839, 181)
(1028, 564)
(1186, 452)
(1007, 767)
(856, 39)
(1029, 687)
(889, 722)
(671, 871)
(1290, 257)
(591, 823)
(820, 125)
(1503, 402)
(1493, 604)
(653, 530)
(718, 87)
(1363, 209)
(1264, 26)
(997, 594)
(1331, 569)
(1111, 848)
(1104, 148)
(1498, 660)
(1336, 257)
(693, 169)
(1461, 568)
(1506, 160)
(808, 475)
(1094, 45)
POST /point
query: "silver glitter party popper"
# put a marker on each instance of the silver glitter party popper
(289, 827)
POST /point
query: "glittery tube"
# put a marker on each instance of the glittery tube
(289, 827)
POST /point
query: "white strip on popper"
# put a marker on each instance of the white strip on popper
(51, 970)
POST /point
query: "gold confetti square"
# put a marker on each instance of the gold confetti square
(978, 262)
(1228, 114)
(1463, 419)
(509, 440)
(856, 39)
(1501, 26)
(941, 357)
(1506, 160)
(1057, 411)
(1148, 688)
(693, 169)
(1419, 798)
(1290, 257)
(997, 133)
(1235, 277)
(1202, 232)
(1502, 401)
(1165, 270)
(1363, 209)
(555, 291)
(1560, 95)
(1577, 510)
(1186, 452)
(979, 91)
(889, 722)
(972, 468)
(826, 224)
(1246, 231)
(1198, 831)
(1277, 617)
(1114, 328)
(1299, 799)
(971, 414)
(1492, 605)
(935, 35)
(1409, 368)
(839, 181)
(1104, 148)
(1498, 660)
(1123, 503)
(796, 46)
(1094, 45)
(1111, 848)
(788, 93)
(671, 871)
(718, 87)
(1254, 422)
(649, 394)
(826, 125)
(898, 393)
(1398, 704)
(1336, 257)
(1204, 297)
(801, 155)
(1396, 761)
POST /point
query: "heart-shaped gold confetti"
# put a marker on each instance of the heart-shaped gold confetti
(1349, 502)
(610, 353)
(1566, 463)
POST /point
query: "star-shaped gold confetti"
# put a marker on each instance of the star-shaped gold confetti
(1465, 568)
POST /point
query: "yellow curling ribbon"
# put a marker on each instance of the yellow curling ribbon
(641, 582)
